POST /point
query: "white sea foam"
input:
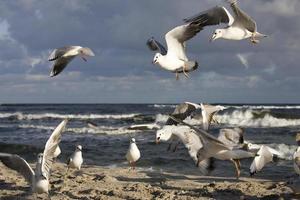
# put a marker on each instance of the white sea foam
(23, 116)
(266, 107)
(163, 106)
(247, 118)
(106, 130)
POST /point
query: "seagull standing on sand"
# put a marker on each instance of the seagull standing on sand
(175, 59)
(133, 154)
(76, 160)
(62, 56)
(240, 27)
(39, 179)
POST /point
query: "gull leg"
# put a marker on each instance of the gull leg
(176, 147)
(169, 147)
(184, 72)
(238, 171)
(133, 166)
(253, 40)
(177, 76)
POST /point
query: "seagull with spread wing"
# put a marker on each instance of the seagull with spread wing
(62, 56)
(240, 27)
(174, 59)
(39, 179)
(208, 112)
(212, 147)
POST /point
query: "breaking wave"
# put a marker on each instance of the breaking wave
(23, 116)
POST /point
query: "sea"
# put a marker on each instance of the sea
(25, 128)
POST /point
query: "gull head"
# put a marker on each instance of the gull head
(132, 140)
(156, 58)
(39, 158)
(79, 148)
(84, 52)
(217, 34)
(163, 134)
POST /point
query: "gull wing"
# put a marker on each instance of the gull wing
(60, 64)
(18, 164)
(263, 158)
(50, 147)
(154, 45)
(212, 16)
(59, 52)
(242, 18)
(208, 111)
(182, 111)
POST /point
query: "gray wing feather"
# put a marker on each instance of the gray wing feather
(213, 16)
(156, 46)
(243, 18)
(182, 111)
(60, 64)
(59, 52)
(18, 164)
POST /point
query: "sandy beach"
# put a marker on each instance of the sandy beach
(94, 182)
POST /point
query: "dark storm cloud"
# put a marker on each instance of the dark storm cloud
(122, 71)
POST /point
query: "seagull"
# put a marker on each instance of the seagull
(212, 147)
(297, 161)
(208, 112)
(264, 156)
(62, 56)
(38, 179)
(182, 111)
(190, 140)
(174, 59)
(231, 137)
(74, 162)
(133, 154)
(240, 27)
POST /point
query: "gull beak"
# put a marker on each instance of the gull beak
(213, 38)
(157, 141)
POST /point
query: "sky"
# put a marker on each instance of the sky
(122, 72)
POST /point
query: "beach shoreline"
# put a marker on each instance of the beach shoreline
(97, 182)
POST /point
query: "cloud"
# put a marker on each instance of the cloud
(244, 59)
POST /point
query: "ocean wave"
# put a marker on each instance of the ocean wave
(23, 116)
(266, 107)
(163, 106)
(103, 130)
(250, 118)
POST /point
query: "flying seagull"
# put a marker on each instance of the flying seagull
(62, 56)
(264, 156)
(39, 179)
(174, 59)
(212, 147)
(232, 136)
(190, 140)
(133, 154)
(240, 27)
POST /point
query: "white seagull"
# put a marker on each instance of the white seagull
(62, 56)
(133, 154)
(297, 161)
(240, 27)
(190, 140)
(212, 147)
(76, 160)
(264, 156)
(175, 59)
(39, 179)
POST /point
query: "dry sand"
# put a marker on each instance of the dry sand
(94, 182)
